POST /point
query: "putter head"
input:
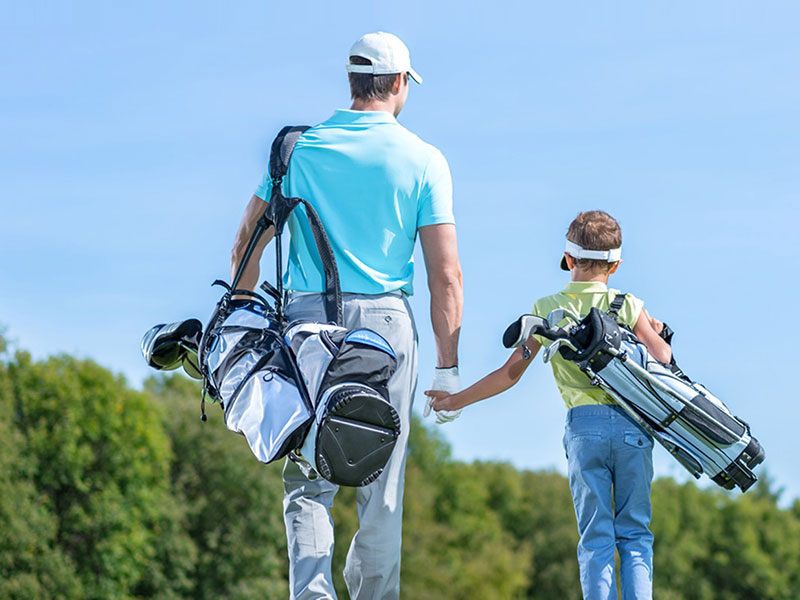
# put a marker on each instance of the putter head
(556, 316)
(521, 329)
(550, 351)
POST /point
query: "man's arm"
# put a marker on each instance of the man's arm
(252, 214)
(446, 286)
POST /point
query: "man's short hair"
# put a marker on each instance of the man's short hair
(366, 86)
(595, 230)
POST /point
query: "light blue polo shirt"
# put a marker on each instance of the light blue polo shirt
(373, 183)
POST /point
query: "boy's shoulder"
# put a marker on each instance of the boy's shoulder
(581, 303)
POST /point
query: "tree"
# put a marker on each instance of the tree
(233, 503)
(32, 566)
(99, 462)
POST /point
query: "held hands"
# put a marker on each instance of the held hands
(441, 401)
(445, 382)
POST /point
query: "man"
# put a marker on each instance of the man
(376, 186)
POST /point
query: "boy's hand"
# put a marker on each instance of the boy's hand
(440, 400)
(657, 325)
(445, 381)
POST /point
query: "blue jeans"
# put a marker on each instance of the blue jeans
(610, 471)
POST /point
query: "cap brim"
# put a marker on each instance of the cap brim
(414, 75)
(564, 266)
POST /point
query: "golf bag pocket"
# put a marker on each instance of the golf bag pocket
(251, 372)
(355, 428)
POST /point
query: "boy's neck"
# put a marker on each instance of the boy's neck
(589, 275)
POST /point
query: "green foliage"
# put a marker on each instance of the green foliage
(31, 564)
(454, 543)
(112, 493)
(232, 503)
(100, 466)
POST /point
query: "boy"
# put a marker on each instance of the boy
(610, 462)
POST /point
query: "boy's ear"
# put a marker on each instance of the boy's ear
(614, 267)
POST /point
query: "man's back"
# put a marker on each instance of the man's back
(373, 183)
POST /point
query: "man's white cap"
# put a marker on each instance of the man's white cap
(387, 53)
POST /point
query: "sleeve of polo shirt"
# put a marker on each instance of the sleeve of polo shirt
(436, 195)
(264, 189)
(631, 310)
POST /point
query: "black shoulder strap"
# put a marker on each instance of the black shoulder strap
(282, 147)
(616, 305)
(279, 209)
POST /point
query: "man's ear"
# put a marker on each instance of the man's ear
(398, 83)
(570, 261)
(614, 267)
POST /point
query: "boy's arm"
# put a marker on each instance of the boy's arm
(494, 383)
(647, 334)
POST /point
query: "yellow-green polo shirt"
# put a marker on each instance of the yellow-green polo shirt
(579, 297)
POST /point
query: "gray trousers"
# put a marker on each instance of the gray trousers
(372, 568)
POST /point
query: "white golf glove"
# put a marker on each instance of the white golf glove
(447, 380)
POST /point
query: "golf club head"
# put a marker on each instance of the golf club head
(169, 345)
(521, 329)
(191, 365)
(556, 316)
(551, 350)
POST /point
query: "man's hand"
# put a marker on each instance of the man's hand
(447, 381)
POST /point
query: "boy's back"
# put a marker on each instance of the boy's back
(579, 297)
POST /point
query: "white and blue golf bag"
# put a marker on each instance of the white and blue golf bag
(682, 415)
(316, 392)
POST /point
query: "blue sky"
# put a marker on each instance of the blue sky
(133, 136)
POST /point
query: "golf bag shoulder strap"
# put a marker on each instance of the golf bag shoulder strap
(280, 207)
(282, 147)
(616, 305)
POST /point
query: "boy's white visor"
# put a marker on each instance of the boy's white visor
(575, 251)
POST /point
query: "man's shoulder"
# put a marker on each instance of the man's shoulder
(413, 140)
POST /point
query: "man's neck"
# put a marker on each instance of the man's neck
(378, 105)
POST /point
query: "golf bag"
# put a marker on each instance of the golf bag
(316, 392)
(682, 415)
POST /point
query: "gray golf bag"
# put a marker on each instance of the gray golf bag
(316, 392)
(682, 415)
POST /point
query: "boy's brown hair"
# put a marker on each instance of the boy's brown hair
(594, 230)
